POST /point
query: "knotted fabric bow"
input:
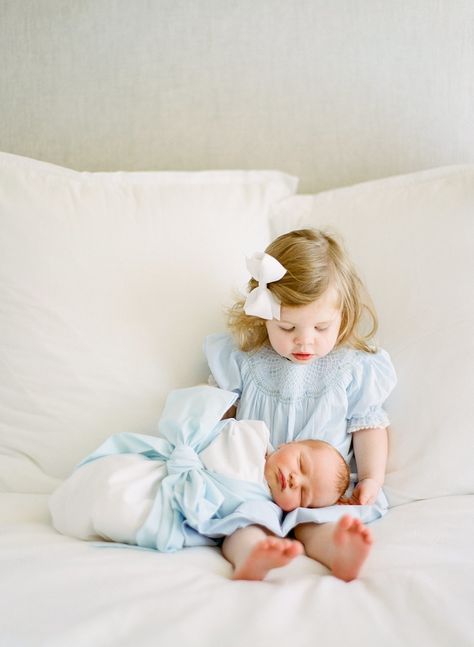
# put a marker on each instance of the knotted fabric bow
(190, 500)
(261, 302)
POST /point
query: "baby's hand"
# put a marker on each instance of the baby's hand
(365, 493)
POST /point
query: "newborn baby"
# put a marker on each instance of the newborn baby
(200, 479)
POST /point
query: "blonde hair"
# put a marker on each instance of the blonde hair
(343, 477)
(314, 261)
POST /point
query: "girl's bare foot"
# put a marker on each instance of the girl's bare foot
(269, 553)
(352, 544)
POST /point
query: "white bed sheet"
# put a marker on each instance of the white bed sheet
(416, 588)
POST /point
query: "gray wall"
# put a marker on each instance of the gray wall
(333, 91)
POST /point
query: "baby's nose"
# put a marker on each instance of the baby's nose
(294, 480)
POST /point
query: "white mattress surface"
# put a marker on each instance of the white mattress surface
(417, 588)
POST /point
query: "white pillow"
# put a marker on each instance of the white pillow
(412, 240)
(108, 284)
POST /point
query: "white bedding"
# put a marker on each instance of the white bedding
(89, 347)
(59, 592)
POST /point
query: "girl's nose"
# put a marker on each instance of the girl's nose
(304, 338)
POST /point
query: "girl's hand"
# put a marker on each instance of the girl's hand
(365, 493)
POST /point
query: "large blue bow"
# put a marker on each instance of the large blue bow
(189, 496)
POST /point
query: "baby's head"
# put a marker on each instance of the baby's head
(318, 272)
(306, 474)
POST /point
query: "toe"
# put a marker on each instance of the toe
(346, 521)
(368, 536)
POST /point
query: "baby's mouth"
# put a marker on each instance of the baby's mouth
(281, 479)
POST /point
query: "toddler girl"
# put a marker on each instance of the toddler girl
(302, 360)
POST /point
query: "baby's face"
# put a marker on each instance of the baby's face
(303, 475)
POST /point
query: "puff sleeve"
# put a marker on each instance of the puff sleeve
(373, 380)
(225, 362)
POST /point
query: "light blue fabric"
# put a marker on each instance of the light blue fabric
(326, 400)
(192, 503)
(194, 506)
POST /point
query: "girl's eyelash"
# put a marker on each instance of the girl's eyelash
(318, 328)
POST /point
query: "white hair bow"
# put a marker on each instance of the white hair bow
(261, 302)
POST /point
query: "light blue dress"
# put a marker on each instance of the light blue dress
(327, 400)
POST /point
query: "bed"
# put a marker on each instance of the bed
(111, 278)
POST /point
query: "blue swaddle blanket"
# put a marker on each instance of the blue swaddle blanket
(191, 499)
(190, 504)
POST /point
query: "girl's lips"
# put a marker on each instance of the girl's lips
(302, 356)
